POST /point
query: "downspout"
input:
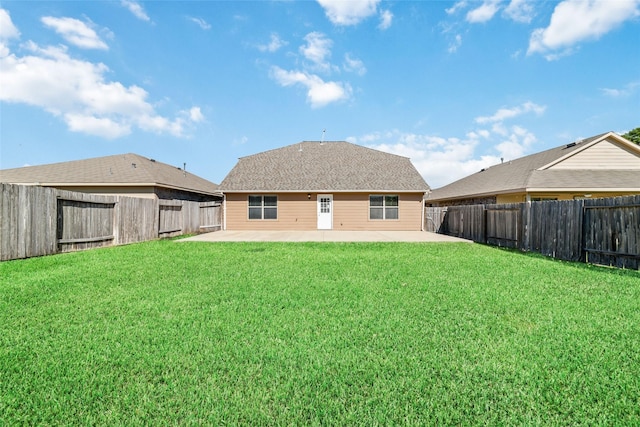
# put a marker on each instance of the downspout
(224, 211)
(422, 203)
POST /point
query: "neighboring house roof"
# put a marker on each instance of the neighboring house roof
(312, 166)
(121, 170)
(555, 169)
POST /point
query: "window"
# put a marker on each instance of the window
(263, 207)
(383, 207)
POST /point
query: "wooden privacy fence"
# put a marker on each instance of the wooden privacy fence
(599, 231)
(38, 221)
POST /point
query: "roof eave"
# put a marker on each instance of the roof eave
(121, 184)
(474, 195)
(328, 191)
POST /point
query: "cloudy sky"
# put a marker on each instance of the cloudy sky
(455, 86)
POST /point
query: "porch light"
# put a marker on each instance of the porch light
(309, 196)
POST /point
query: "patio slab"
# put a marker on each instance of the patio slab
(321, 236)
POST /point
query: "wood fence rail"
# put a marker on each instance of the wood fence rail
(599, 231)
(37, 221)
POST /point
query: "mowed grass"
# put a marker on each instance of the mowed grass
(316, 334)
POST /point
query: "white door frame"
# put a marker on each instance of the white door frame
(325, 219)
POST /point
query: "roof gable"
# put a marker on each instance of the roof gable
(608, 152)
(323, 166)
(538, 171)
(118, 170)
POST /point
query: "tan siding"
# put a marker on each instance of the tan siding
(297, 212)
(510, 198)
(603, 155)
(517, 198)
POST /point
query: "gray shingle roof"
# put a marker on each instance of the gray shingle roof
(523, 173)
(324, 166)
(118, 170)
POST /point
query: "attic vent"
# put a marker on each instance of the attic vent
(573, 144)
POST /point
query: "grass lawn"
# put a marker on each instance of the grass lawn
(317, 334)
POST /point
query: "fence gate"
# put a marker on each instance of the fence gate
(612, 235)
(83, 224)
(503, 227)
(170, 218)
(210, 216)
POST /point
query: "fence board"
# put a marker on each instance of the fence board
(602, 231)
(38, 221)
(210, 216)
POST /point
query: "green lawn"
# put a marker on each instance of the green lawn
(316, 334)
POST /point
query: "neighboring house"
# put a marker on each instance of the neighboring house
(324, 185)
(122, 174)
(605, 165)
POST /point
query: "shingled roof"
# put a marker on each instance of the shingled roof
(122, 170)
(312, 166)
(532, 173)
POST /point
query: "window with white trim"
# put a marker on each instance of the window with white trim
(263, 207)
(383, 207)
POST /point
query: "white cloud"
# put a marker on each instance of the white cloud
(135, 8)
(456, 7)
(455, 44)
(509, 113)
(319, 92)
(442, 160)
(274, 44)
(7, 29)
(240, 141)
(77, 91)
(520, 11)
(354, 65)
(386, 18)
(195, 115)
(574, 21)
(484, 12)
(439, 160)
(104, 127)
(351, 12)
(627, 90)
(201, 22)
(317, 49)
(75, 32)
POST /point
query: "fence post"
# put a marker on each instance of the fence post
(526, 225)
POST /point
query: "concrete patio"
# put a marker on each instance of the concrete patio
(322, 236)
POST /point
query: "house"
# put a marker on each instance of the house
(123, 174)
(324, 185)
(604, 165)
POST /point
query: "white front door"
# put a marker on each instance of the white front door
(325, 211)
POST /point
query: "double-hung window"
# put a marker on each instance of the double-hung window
(263, 207)
(383, 207)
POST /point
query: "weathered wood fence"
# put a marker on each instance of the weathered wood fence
(38, 221)
(599, 231)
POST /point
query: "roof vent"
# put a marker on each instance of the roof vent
(572, 144)
(482, 170)
(153, 160)
(133, 165)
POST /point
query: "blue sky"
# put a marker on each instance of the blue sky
(455, 86)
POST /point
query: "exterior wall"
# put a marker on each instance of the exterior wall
(350, 212)
(517, 198)
(472, 201)
(522, 197)
(142, 191)
(145, 192)
(603, 155)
